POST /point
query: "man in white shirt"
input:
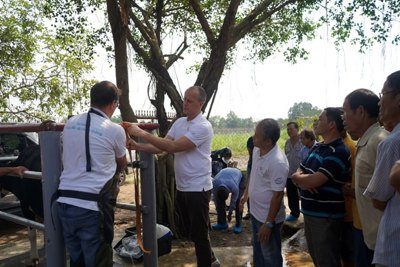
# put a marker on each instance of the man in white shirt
(265, 188)
(190, 140)
(93, 153)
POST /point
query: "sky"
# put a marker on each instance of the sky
(269, 89)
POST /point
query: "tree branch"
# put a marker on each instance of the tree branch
(203, 21)
(149, 36)
(251, 20)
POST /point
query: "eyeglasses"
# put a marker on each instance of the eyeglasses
(116, 104)
(384, 93)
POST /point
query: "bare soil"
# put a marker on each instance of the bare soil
(219, 238)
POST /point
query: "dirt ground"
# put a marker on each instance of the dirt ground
(219, 238)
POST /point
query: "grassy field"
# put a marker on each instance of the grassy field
(237, 142)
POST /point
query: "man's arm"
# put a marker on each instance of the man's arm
(264, 232)
(163, 144)
(121, 163)
(308, 181)
(245, 196)
(15, 170)
(394, 177)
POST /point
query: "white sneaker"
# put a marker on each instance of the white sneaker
(216, 263)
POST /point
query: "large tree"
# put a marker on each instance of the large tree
(303, 109)
(215, 29)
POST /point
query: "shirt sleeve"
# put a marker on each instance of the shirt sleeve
(379, 187)
(120, 142)
(279, 175)
(199, 134)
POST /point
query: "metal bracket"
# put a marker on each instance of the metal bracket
(138, 164)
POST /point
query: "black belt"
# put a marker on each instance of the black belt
(88, 163)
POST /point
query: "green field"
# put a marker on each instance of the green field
(237, 142)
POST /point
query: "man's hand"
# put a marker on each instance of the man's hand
(131, 144)
(263, 233)
(229, 217)
(242, 201)
(19, 171)
(125, 125)
(348, 191)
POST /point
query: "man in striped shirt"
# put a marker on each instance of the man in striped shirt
(379, 189)
(321, 177)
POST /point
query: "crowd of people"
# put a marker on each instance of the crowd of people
(349, 192)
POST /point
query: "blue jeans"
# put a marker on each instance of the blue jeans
(268, 253)
(81, 231)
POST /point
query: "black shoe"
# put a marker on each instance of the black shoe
(246, 217)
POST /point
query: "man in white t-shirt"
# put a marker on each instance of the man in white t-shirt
(265, 188)
(93, 152)
(190, 140)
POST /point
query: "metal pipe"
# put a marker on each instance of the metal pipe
(39, 127)
(148, 188)
(29, 175)
(20, 220)
(126, 206)
(50, 151)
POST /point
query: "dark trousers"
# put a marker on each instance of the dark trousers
(220, 205)
(292, 193)
(363, 255)
(323, 237)
(193, 210)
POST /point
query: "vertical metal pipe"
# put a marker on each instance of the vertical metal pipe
(148, 187)
(50, 150)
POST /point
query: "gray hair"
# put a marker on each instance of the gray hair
(200, 90)
(270, 129)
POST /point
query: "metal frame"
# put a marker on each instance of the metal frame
(50, 149)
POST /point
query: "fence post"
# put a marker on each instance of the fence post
(148, 190)
(50, 150)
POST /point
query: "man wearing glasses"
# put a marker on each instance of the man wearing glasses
(384, 195)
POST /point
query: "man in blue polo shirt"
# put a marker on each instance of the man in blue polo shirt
(321, 177)
(228, 181)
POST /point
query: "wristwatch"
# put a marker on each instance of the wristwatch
(270, 224)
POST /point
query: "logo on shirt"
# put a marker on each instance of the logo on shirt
(279, 180)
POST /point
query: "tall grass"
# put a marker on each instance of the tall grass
(237, 142)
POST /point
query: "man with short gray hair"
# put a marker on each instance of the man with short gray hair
(265, 188)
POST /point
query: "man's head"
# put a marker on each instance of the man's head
(361, 110)
(104, 95)
(222, 193)
(330, 122)
(292, 129)
(193, 101)
(307, 137)
(267, 133)
(389, 112)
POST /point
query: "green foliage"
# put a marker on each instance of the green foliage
(231, 121)
(41, 75)
(303, 109)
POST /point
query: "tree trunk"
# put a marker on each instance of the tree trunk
(119, 28)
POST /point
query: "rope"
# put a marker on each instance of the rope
(138, 209)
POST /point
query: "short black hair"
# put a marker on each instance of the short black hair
(104, 93)
(393, 82)
(296, 125)
(365, 98)
(309, 134)
(270, 129)
(335, 114)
